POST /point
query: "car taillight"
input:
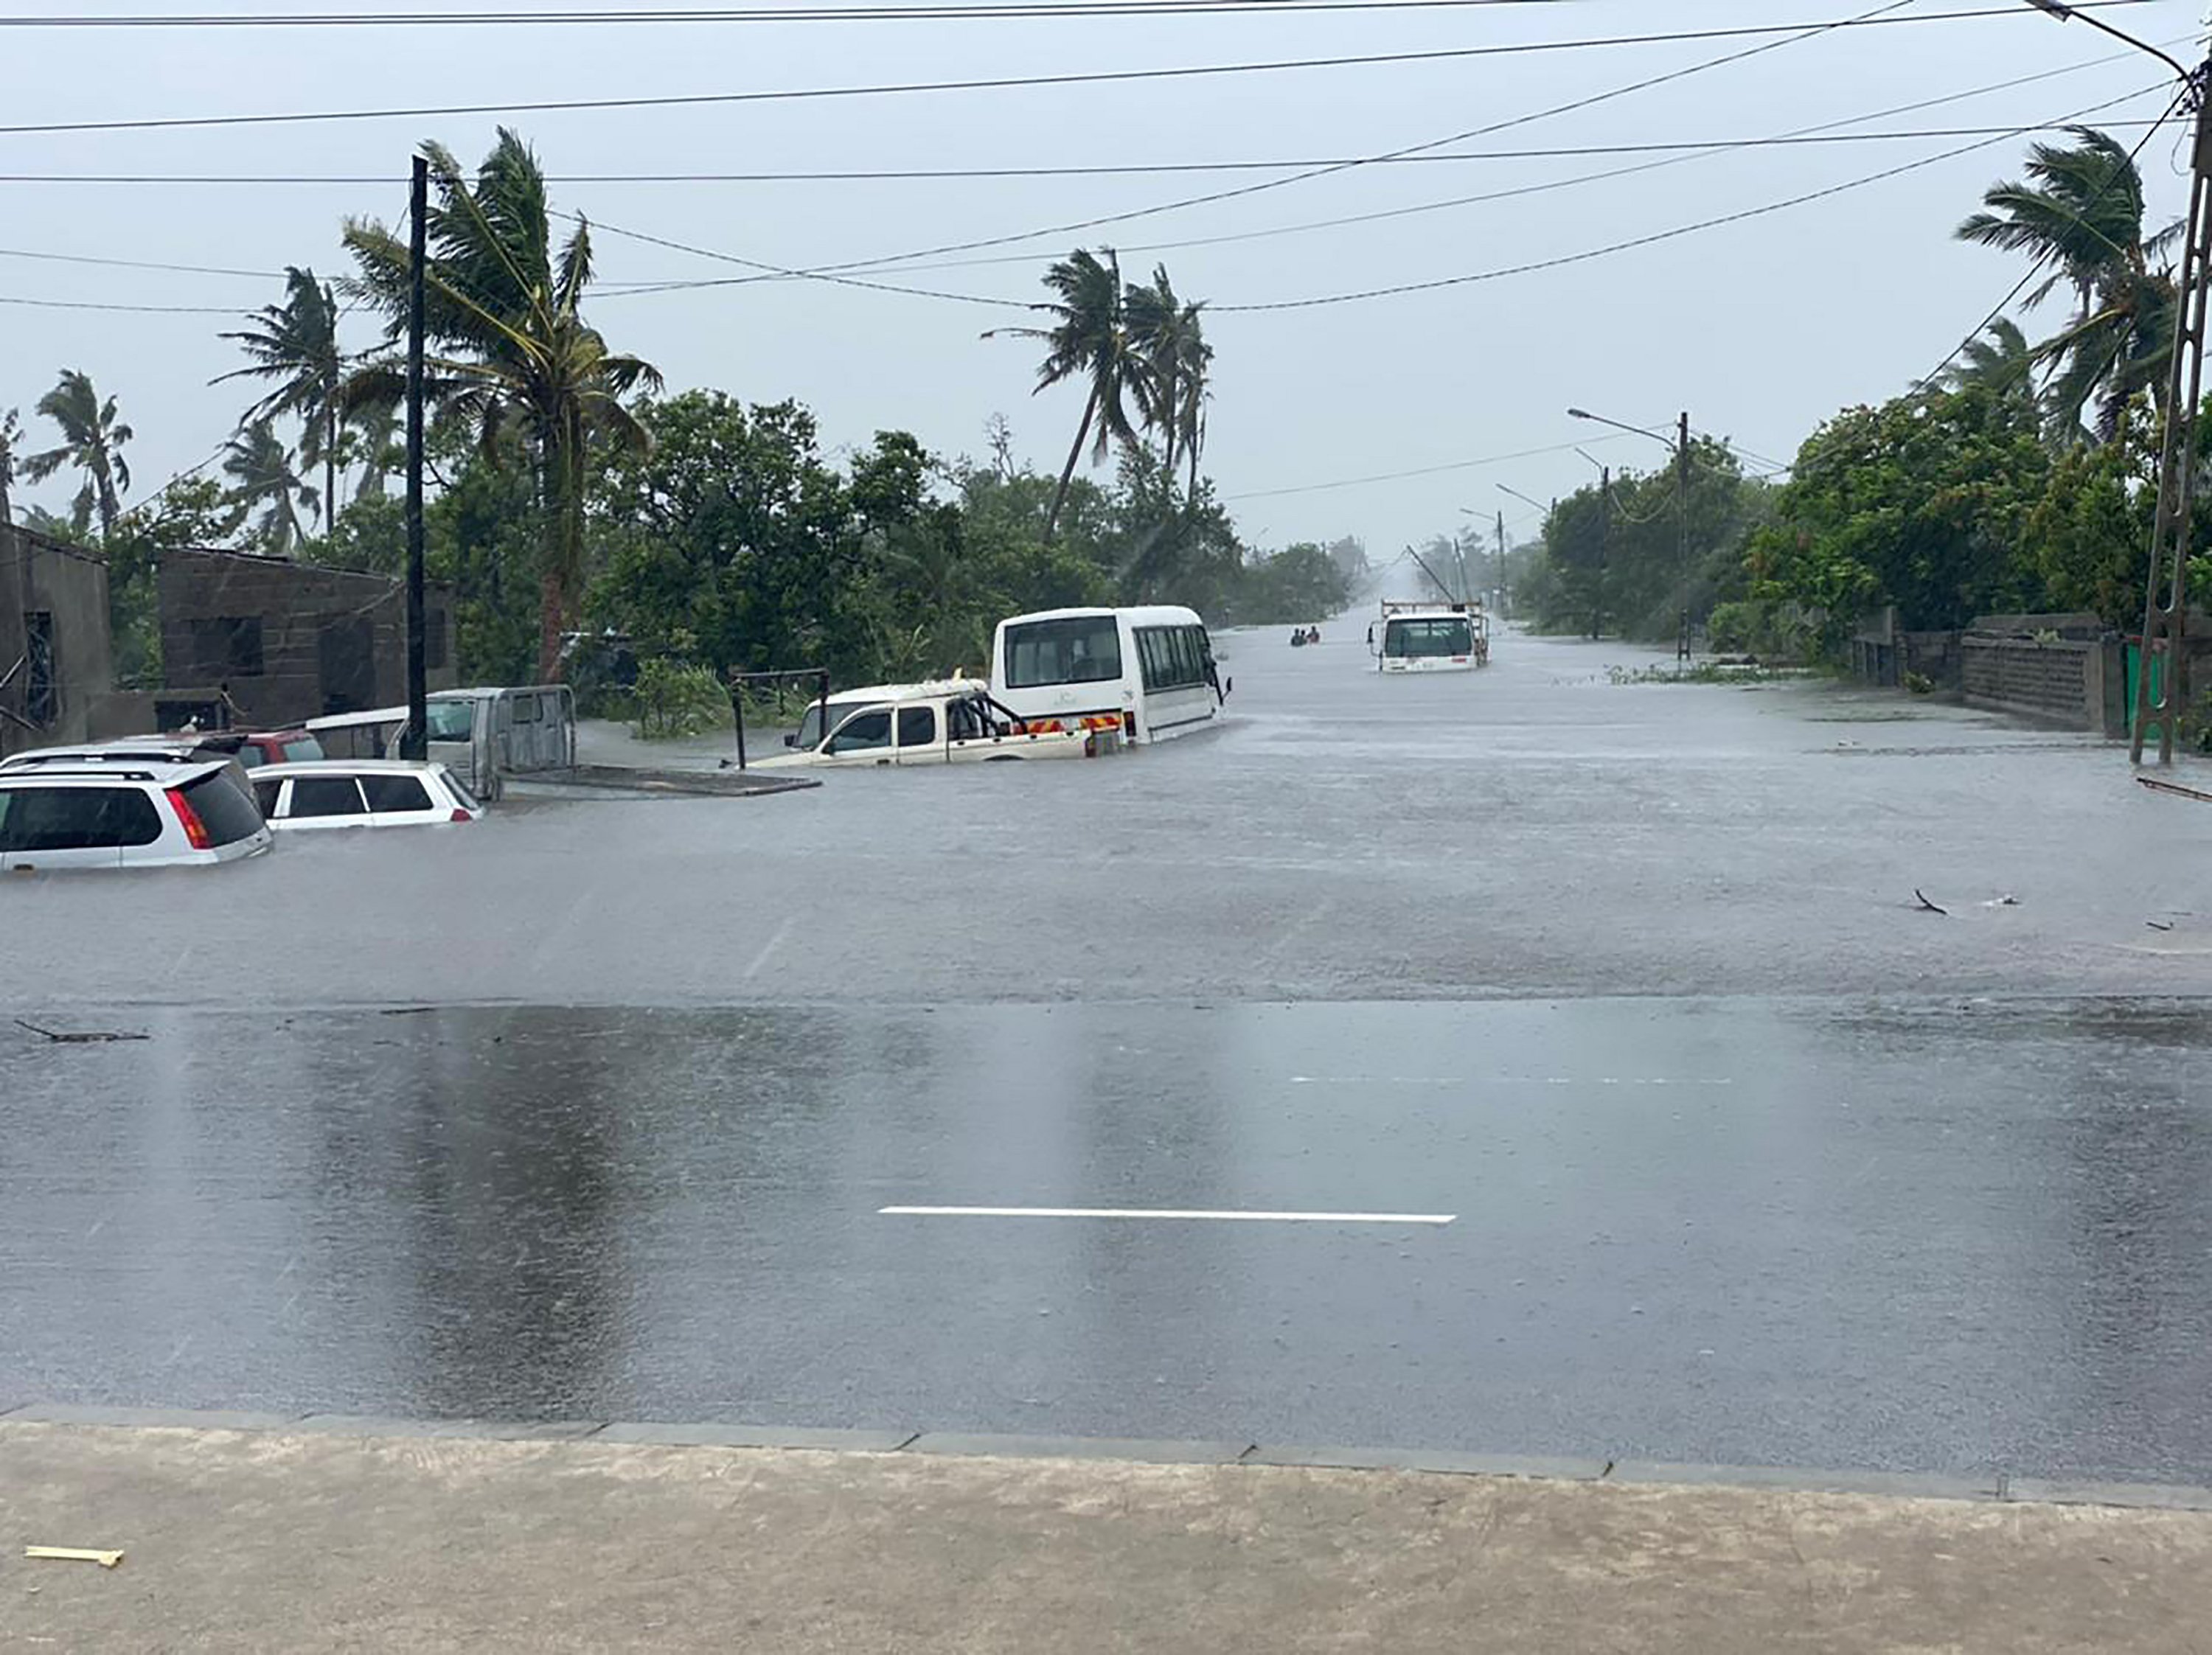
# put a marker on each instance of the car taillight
(196, 832)
(460, 815)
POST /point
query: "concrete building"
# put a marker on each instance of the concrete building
(54, 656)
(275, 642)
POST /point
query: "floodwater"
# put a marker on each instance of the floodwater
(1534, 830)
(592, 1111)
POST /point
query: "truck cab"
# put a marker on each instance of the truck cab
(950, 721)
(1425, 637)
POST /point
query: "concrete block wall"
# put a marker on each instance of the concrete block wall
(2061, 681)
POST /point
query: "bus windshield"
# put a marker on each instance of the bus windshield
(1443, 635)
(1081, 650)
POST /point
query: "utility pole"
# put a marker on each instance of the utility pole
(2162, 674)
(1604, 545)
(415, 742)
(1501, 563)
(14, 582)
(1682, 533)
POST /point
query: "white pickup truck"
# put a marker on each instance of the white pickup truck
(952, 721)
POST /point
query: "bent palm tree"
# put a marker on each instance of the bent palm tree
(1090, 338)
(1999, 357)
(92, 441)
(2081, 210)
(264, 479)
(296, 344)
(517, 358)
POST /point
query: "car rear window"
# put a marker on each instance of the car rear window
(223, 807)
(391, 794)
(462, 797)
(304, 749)
(76, 818)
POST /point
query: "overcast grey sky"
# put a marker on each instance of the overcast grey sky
(1759, 329)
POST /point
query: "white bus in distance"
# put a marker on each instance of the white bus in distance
(1148, 670)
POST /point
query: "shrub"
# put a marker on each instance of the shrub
(676, 699)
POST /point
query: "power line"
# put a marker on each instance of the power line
(1398, 288)
(1124, 169)
(1572, 105)
(157, 310)
(1419, 471)
(137, 263)
(1020, 11)
(774, 271)
(1091, 77)
(1676, 156)
(1826, 132)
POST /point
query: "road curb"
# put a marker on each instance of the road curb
(1989, 1488)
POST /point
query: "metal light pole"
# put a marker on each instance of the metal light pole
(415, 742)
(1681, 443)
(2161, 688)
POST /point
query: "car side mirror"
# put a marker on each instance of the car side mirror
(791, 740)
(1229, 686)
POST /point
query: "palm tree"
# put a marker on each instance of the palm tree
(92, 442)
(1195, 379)
(296, 344)
(516, 358)
(1091, 338)
(2080, 209)
(1999, 358)
(264, 478)
(1170, 336)
(373, 434)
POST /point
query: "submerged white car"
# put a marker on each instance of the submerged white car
(362, 793)
(950, 721)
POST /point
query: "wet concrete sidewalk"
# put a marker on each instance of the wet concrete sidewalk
(268, 1541)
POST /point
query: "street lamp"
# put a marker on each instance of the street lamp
(2067, 14)
(2160, 691)
(1681, 443)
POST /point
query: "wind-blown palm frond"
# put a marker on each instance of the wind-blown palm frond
(1091, 339)
(92, 441)
(2080, 209)
(262, 479)
(516, 358)
(295, 344)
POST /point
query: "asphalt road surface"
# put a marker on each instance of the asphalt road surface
(596, 1111)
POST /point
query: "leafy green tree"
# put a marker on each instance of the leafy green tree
(2080, 209)
(2088, 537)
(517, 358)
(1089, 340)
(92, 442)
(264, 480)
(295, 345)
(1922, 502)
(730, 535)
(1301, 583)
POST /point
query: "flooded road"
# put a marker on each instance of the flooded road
(1951, 1237)
(595, 1111)
(1532, 830)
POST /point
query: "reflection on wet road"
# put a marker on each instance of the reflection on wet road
(1942, 1234)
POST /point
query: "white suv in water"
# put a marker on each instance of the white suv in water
(108, 814)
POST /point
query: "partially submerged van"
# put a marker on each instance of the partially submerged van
(483, 736)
